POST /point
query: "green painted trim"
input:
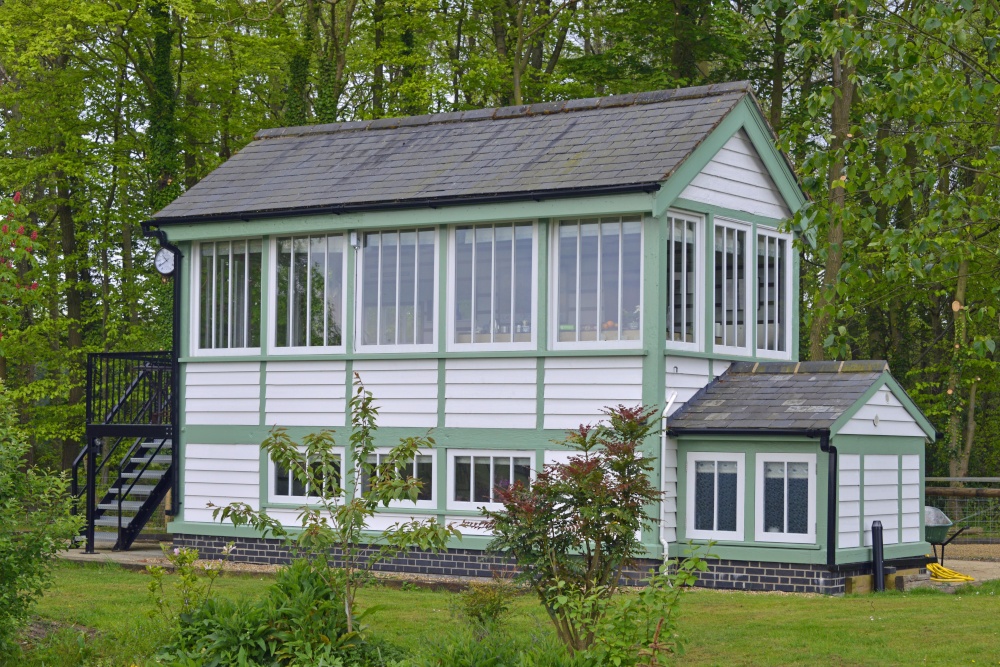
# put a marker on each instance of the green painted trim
(446, 215)
(692, 206)
(210, 529)
(879, 444)
(265, 291)
(180, 441)
(542, 319)
(263, 467)
(347, 331)
(747, 116)
(708, 330)
(444, 242)
(801, 554)
(441, 397)
(864, 554)
(187, 255)
(886, 380)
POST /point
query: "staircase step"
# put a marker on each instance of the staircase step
(159, 458)
(137, 490)
(112, 521)
(150, 474)
(127, 505)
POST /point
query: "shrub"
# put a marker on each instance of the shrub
(36, 523)
(488, 603)
(468, 648)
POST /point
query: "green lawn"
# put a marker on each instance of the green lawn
(110, 605)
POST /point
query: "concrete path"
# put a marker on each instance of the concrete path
(134, 559)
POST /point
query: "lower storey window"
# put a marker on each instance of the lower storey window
(286, 486)
(475, 476)
(420, 467)
(715, 496)
(785, 498)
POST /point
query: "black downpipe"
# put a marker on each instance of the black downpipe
(878, 557)
(831, 498)
(175, 375)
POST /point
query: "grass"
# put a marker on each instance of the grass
(101, 613)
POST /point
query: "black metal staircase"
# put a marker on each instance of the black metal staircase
(129, 461)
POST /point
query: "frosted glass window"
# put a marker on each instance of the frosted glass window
(730, 286)
(286, 486)
(229, 294)
(477, 476)
(772, 298)
(310, 291)
(599, 275)
(683, 268)
(786, 492)
(397, 287)
(421, 467)
(493, 267)
(716, 495)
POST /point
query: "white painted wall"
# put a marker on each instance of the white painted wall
(491, 393)
(737, 179)
(910, 499)
(220, 474)
(685, 375)
(849, 501)
(305, 393)
(225, 393)
(881, 496)
(892, 418)
(577, 388)
(405, 390)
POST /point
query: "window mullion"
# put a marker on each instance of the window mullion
(493, 282)
(579, 278)
(513, 277)
(621, 279)
(399, 280)
(475, 303)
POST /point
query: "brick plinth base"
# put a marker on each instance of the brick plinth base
(722, 574)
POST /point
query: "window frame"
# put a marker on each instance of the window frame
(409, 504)
(299, 501)
(789, 297)
(720, 535)
(750, 298)
(358, 311)
(472, 505)
(272, 295)
(553, 287)
(194, 343)
(452, 345)
(700, 293)
(760, 535)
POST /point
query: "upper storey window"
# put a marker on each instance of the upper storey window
(228, 314)
(398, 285)
(731, 289)
(494, 283)
(773, 287)
(683, 281)
(309, 300)
(598, 280)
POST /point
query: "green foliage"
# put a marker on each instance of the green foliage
(467, 647)
(335, 522)
(194, 582)
(488, 604)
(35, 524)
(575, 529)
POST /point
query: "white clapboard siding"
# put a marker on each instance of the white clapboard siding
(686, 376)
(305, 393)
(226, 393)
(405, 390)
(491, 393)
(668, 506)
(736, 178)
(910, 495)
(893, 418)
(719, 367)
(578, 388)
(881, 496)
(848, 501)
(220, 474)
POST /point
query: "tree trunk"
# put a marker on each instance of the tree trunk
(778, 71)
(954, 376)
(378, 75)
(74, 307)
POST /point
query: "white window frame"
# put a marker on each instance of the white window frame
(750, 298)
(275, 499)
(452, 271)
(787, 238)
(194, 346)
(553, 287)
(272, 295)
(700, 294)
(453, 504)
(359, 346)
(423, 504)
(789, 538)
(723, 535)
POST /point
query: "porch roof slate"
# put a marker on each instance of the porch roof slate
(777, 396)
(570, 148)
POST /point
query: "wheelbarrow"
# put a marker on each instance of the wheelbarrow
(936, 527)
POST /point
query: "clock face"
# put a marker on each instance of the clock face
(164, 261)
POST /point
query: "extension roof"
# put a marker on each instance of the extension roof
(624, 143)
(779, 396)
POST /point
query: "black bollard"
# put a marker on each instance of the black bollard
(878, 557)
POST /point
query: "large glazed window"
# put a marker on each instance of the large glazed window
(229, 294)
(421, 467)
(786, 498)
(398, 273)
(773, 269)
(599, 276)
(475, 476)
(493, 273)
(715, 485)
(310, 291)
(683, 271)
(731, 291)
(286, 487)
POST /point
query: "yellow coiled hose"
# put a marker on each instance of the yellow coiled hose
(943, 575)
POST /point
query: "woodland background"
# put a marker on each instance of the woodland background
(889, 110)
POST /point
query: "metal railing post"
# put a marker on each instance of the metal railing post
(91, 492)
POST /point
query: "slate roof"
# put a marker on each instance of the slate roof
(592, 146)
(778, 396)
